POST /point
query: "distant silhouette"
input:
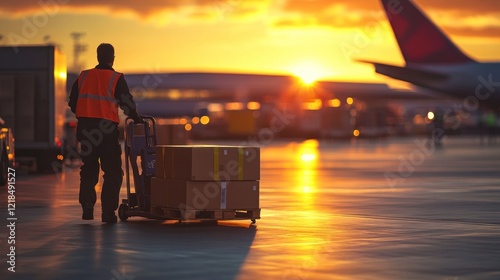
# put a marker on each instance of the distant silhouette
(490, 122)
(438, 127)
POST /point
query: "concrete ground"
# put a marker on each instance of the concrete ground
(385, 209)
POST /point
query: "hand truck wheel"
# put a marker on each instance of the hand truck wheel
(122, 212)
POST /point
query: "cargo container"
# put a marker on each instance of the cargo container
(33, 103)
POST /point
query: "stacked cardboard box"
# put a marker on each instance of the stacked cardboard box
(206, 177)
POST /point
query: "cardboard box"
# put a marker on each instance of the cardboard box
(164, 155)
(243, 195)
(159, 192)
(212, 195)
(163, 134)
(208, 163)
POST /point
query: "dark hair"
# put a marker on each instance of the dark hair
(105, 53)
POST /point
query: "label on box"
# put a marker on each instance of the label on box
(254, 188)
(223, 192)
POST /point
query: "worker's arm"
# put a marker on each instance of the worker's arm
(73, 97)
(126, 100)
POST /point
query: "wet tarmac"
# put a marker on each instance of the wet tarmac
(385, 209)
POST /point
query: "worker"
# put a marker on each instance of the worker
(438, 131)
(490, 120)
(95, 97)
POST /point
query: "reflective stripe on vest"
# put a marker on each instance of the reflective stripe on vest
(96, 94)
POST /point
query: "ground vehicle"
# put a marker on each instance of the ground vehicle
(140, 142)
(6, 153)
(33, 103)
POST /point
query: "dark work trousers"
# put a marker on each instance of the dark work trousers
(99, 145)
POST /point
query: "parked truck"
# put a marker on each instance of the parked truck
(7, 152)
(33, 103)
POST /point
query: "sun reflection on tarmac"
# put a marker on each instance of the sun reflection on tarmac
(305, 173)
(309, 244)
(306, 257)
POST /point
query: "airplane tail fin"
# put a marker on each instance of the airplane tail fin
(419, 39)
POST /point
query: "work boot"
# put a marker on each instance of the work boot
(88, 211)
(109, 218)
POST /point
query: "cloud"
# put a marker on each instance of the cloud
(155, 12)
(142, 9)
(463, 6)
(356, 13)
(488, 31)
(25, 7)
(280, 13)
(467, 7)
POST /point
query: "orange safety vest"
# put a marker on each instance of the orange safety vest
(96, 94)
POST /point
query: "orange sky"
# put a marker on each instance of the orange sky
(251, 36)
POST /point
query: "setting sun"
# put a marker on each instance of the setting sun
(308, 72)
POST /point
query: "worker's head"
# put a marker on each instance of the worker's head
(106, 54)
